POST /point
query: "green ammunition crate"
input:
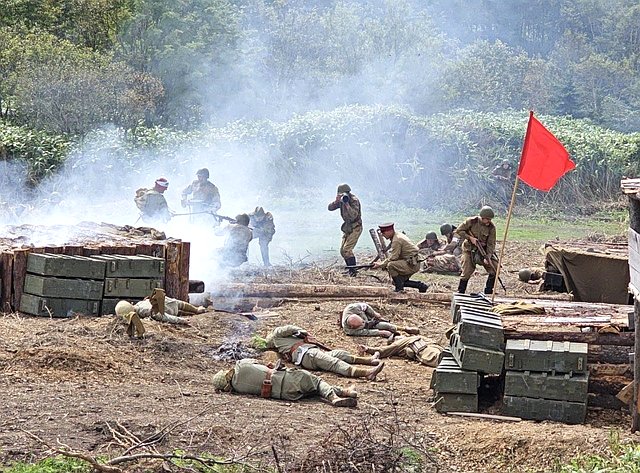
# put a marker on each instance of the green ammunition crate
(534, 355)
(129, 287)
(45, 286)
(545, 409)
(455, 402)
(480, 330)
(464, 300)
(56, 307)
(559, 387)
(64, 266)
(450, 378)
(108, 306)
(140, 266)
(474, 358)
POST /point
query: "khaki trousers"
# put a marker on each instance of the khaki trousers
(349, 241)
(469, 266)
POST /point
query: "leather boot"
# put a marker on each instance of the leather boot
(337, 401)
(491, 280)
(347, 392)
(370, 374)
(419, 285)
(398, 282)
(462, 286)
(351, 261)
(412, 330)
(366, 360)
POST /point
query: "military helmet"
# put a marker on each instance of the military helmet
(486, 212)
(221, 382)
(242, 219)
(431, 236)
(524, 275)
(446, 228)
(203, 172)
(124, 308)
(342, 188)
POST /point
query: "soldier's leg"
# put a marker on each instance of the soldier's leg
(399, 272)
(351, 359)
(491, 279)
(264, 251)
(185, 308)
(316, 359)
(468, 267)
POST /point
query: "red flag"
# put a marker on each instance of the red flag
(544, 159)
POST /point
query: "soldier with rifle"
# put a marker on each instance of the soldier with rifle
(263, 228)
(478, 247)
(296, 345)
(351, 214)
(359, 319)
(236, 243)
(205, 197)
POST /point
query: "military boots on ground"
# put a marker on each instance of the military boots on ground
(491, 281)
(370, 374)
(398, 283)
(462, 286)
(351, 261)
(419, 285)
(337, 401)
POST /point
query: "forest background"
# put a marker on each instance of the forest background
(414, 101)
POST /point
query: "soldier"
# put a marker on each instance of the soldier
(430, 242)
(403, 260)
(360, 320)
(437, 260)
(251, 377)
(350, 212)
(152, 203)
(531, 275)
(236, 244)
(454, 243)
(476, 232)
(205, 196)
(413, 348)
(158, 307)
(263, 228)
(296, 345)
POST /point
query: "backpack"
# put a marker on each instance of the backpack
(141, 198)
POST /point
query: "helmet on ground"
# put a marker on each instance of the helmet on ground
(524, 275)
(203, 172)
(431, 236)
(354, 322)
(446, 228)
(486, 212)
(242, 219)
(124, 308)
(221, 381)
(342, 188)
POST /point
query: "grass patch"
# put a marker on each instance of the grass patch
(57, 464)
(620, 458)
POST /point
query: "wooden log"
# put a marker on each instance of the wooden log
(73, 250)
(245, 304)
(619, 339)
(38, 250)
(607, 384)
(183, 271)
(635, 406)
(609, 354)
(172, 269)
(607, 369)
(6, 273)
(144, 249)
(19, 275)
(55, 250)
(90, 251)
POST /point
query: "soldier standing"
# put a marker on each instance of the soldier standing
(152, 203)
(403, 260)
(351, 214)
(360, 320)
(295, 344)
(478, 231)
(205, 196)
(250, 377)
(236, 244)
(263, 228)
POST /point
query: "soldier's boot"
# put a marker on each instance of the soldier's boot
(347, 392)
(365, 350)
(419, 285)
(367, 360)
(351, 261)
(491, 280)
(462, 286)
(370, 374)
(398, 283)
(411, 330)
(337, 401)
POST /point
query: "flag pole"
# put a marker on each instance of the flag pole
(513, 200)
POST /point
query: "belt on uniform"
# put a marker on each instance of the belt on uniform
(294, 348)
(267, 385)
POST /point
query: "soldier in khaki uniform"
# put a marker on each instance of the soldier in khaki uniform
(475, 231)
(205, 196)
(239, 235)
(403, 260)
(437, 259)
(351, 214)
(152, 203)
(251, 377)
(263, 228)
(360, 320)
(413, 348)
(296, 345)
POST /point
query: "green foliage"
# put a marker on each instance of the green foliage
(51, 465)
(620, 458)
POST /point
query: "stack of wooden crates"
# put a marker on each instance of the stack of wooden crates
(62, 285)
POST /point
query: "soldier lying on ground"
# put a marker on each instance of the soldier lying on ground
(294, 344)
(413, 348)
(250, 377)
(158, 307)
(360, 320)
(437, 259)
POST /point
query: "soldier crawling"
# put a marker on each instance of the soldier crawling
(360, 320)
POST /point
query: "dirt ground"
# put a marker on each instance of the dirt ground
(83, 382)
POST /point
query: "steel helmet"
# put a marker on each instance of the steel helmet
(524, 275)
(203, 172)
(124, 308)
(486, 212)
(446, 228)
(342, 188)
(221, 382)
(242, 219)
(431, 236)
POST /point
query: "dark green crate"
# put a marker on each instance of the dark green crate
(130, 287)
(455, 402)
(545, 409)
(46, 286)
(481, 330)
(449, 377)
(140, 266)
(465, 300)
(474, 358)
(539, 355)
(64, 266)
(56, 307)
(560, 387)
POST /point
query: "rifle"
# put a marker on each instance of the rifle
(222, 217)
(219, 217)
(360, 266)
(483, 253)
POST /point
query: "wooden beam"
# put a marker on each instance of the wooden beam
(183, 271)
(19, 275)
(618, 339)
(172, 270)
(636, 371)
(610, 354)
(6, 273)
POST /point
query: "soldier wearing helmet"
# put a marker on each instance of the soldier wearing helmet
(351, 214)
(438, 258)
(202, 196)
(250, 377)
(454, 244)
(263, 228)
(236, 243)
(478, 231)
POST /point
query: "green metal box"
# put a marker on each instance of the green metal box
(140, 266)
(540, 355)
(475, 301)
(56, 307)
(64, 266)
(559, 387)
(455, 402)
(450, 378)
(474, 358)
(129, 287)
(86, 289)
(545, 409)
(480, 329)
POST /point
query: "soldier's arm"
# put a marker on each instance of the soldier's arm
(394, 253)
(287, 331)
(187, 191)
(335, 205)
(371, 313)
(462, 230)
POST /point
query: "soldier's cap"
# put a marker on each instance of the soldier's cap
(162, 182)
(386, 226)
(431, 236)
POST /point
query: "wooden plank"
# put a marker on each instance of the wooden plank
(38, 250)
(6, 273)
(144, 249)
(610, 354)
(183, 273)
(90, 251)
(73, 250)
(56, 250)
(19, 274)
(635, 419)
(172, 269)
(618, 339)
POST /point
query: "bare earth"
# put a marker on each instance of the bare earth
(77, 380)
